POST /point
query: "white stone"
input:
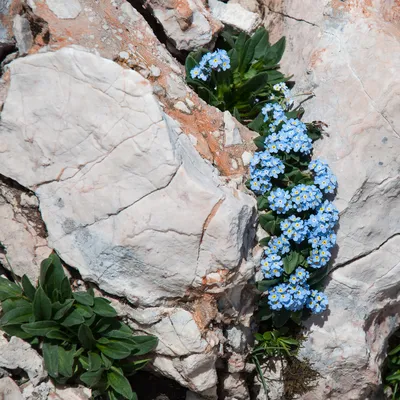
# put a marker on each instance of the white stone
(246, 158)
(138, 211)
(181, 106)
(189, 30)
(9, 390)
(232, 133)
(18, 354)
(235, 15)
(124, 55)
(23, 34)
(155, 71)
(349, 56)
(65, 9)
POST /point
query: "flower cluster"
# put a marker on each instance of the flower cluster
(323, 176)
(317, 302)
(218, 60)
(263, 167)
(294, 228)
(283, 89)
(271, 266)
(280, 201)
(292, 296)
(306, 197)
(278, 245)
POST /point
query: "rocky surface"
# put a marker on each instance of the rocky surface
(347, 54)
(18, 354)
(139, 211)
(187, 23)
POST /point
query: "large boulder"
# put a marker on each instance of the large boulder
(348, 55)
(129, 202)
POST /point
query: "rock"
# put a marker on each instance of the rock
(132, 137)
(348, 54)
(39, 392)
(186, 22)
(65, 9)
(23, 34)
(72, 393)
(246, 157)
(235, 388)
(181, 106)
(18, 354)
(9, 390)
(235, 15)
(232, 134)
(23, 233)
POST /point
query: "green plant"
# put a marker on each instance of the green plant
(79, 334)
(247, 84)
(276, 343)
(392, 370)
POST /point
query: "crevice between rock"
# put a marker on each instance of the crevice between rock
(289, 16)
(142, 7)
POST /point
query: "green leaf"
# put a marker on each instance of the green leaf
(395, 350)
(83, 298)
(39, 328)
(291, 261)
(17, 316)
(57, 334)
(44, 266)
(85, 336)
(264, 285)
(254, 84)
(275, 52)
(262, 202)
(114, 350)
(66, 361)
(53, 277)
(16, 330)
(62, 309)
(144, 344)
(264, 242)
(41, 305)
(102, 307)
(66, 291)
(106, 362)
(296, 316)
(75, 318)
(259, 142)
(119, 383)
(51, 359)
(94, 361)
(280, 318)
(257, 123)
(9, 290)
(190, 63)
(262, 45)
(91, 378)
(10, 304)
(29, 289)
(85, 311)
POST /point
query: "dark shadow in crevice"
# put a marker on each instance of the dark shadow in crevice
(6, 49)
(158, 30)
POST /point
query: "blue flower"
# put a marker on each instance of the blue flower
(317, 302)
(306, 197)
(323, 176)
(294, 228)
(280, 201)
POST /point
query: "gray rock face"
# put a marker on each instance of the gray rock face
(65, 9)
(348, 55)
(121, 178)
(186, 22)
(23, 34)
(233, 14)
(9, 390)
(18, 354)
(129, 202)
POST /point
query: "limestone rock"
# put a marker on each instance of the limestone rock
(18, 354)
(232, 133)
(65, 9)
(348, 55)
(121, 178)
(186, 22)
(233, 14)
(9, 390)
(23, 233)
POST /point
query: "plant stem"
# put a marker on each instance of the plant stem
(261, 375)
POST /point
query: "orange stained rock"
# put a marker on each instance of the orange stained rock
(107, 29)
(204, 310)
